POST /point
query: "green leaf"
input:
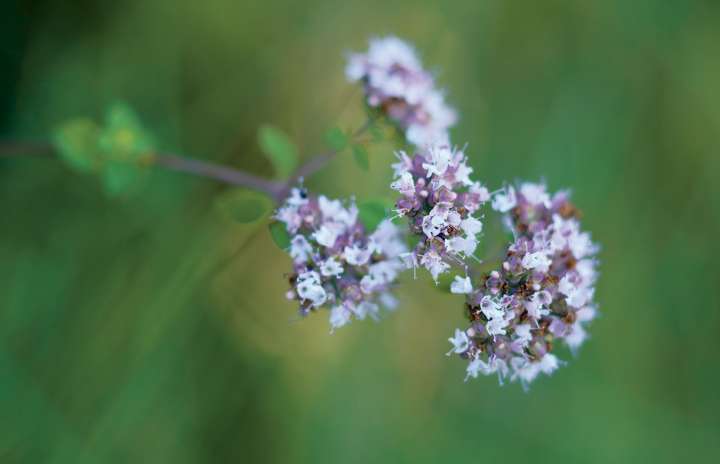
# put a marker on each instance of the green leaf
(123, 137)
(336, 139)
(361, 157)
(372, 212)
(244, 206)
(77, 143)
(279, 149)
(120, 177)
(279, 234)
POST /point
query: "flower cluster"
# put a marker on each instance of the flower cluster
(396, 82)
(542, 294)
(439, 199)
(336, 263)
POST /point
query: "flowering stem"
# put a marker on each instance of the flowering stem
(317, 162)
(220, 173)
(277, 190)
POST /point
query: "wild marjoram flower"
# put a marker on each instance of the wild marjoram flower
(439, 199)
(395, 81)
(542, 294)
(336, 263)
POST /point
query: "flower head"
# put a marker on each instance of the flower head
(336, 263)
(440, 200)
(541, 295)
(395, 81)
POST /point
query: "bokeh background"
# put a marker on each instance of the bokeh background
(151, 329)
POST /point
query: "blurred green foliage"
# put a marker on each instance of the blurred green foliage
(119, 152)
(147, 329)
(279, 149)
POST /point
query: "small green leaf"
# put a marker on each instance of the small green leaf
(123, 137)
(279, 149)
(372, 212)
(279, 234)
(361, 157)
(244, 206)
(336, 139)
(119, 177)
(77, 144)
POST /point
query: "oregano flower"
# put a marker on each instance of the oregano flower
(336, 262)
(540, 296)
(395, 82)
(440, 201)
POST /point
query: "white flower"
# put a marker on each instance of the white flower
(460, 342)
(289, 215)
(339, 316)
(433, 262)
(586, 314)
(474, 368)
(525, 370)
(482, 192)
(310, 277)
(577, 296)
(327, 234)
(404, 184)
(535, 194)
(497, 326)
(580, 245)
(366, 309)
(355, 69)
(331, 267)
(391, 51)
(297, 198)
(369, 283)
(471, 225)
(576, 336)
(438, 160)
(333, 210)
(461, 245)
(462, 173)
(461, 285)
(388, 300)
(581, 297)
(549, 363)
(454, 218)
(356, 256)
(409, 259)
(300, 249)
(477, 366)
(433, 225)
(404, 164)
(586, 269)
(387, 240)
(491, 308)
(522, 332)
(505, 200)
(309, 288)
(537, 260)
(535, 305)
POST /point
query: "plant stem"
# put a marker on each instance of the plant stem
(220, 173)
(277, 190)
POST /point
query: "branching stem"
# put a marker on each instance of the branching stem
(276, 189)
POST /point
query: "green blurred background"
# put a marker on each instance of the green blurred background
(150, 329)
